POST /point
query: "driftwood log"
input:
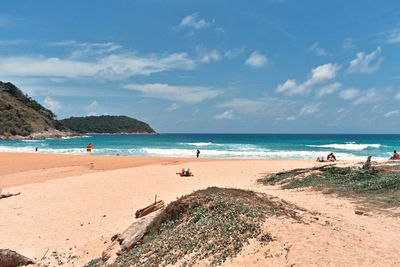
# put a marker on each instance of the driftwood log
(6, 195)
(149, 209)
(129, 238)
(10, 258)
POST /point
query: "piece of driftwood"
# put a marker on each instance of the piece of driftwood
(129, 238)
(367, 164)
(6, 195)
(149, 209)
(10, 258)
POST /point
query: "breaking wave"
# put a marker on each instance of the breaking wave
(348, 146)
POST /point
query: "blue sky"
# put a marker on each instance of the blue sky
(278, 66)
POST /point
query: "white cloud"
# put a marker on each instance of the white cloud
(185, 94)
(256, 60)
(92, 113)
(227, 115)
(172, 107)
(233, 53)
(317, 50)
(328, 89)
(366, 63)
(87, 49)
(349, 93)
(244, 105)
(192, 21)
(266, 106)
(52, 104)
(207, 56)
(348, 44)
(368, 97)
(394, 37)
(397, 96)
(319, 75)
(110, 67)
(310, 109)
(291, 118)
(391, 113)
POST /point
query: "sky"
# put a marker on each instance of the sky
(273, 66)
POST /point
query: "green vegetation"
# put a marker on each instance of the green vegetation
(21, 115)
(210, 225)
(107, 124)
(380, 185)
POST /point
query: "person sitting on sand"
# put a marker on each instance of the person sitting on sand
(395, 155)
(331, 157)
(320, 159)
(187, 173)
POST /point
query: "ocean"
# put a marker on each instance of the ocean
(259, 146)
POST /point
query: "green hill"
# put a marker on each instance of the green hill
(107, 124)
(23, 117)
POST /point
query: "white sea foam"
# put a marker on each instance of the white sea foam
(200, 144)
(242, 154)
(348, 146)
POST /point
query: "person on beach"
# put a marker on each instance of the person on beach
(331, 157)
(395, 155)
(197, 153)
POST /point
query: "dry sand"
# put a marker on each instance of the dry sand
(70, 206)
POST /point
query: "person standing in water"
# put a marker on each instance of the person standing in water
(197, 153)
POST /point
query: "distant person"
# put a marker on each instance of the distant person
(89, 148)
(36, 149)
(395, 155)
(331, 157)
(198, 153)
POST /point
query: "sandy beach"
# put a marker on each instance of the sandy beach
(71, 205)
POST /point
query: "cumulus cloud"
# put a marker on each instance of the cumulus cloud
(394, 37)
(328, 89)
(256, 60)
(193, 21)
(368, 97)
(317, 50)
(207, 56)
(349, 94)
(52, 104)
(226, 115)
(109, 67)
(391, 113)
(185, 94)
(366, 63)
(319, 75)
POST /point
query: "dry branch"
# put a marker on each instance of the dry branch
(6, 195)
(149, 209)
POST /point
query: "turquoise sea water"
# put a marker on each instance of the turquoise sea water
(291, 146)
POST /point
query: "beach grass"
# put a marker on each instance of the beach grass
(379, 185)
(210, 225)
